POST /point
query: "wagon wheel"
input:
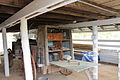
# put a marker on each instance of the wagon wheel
(65, 72)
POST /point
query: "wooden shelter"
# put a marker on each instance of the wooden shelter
(21, 15)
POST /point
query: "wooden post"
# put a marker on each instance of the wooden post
(46, 47)
(26, 50)
(71, 45)
(119, 64)
(95, 50)
(42, 42)
(6, 61)
(0, 61)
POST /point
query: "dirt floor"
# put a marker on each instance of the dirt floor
(106, 72)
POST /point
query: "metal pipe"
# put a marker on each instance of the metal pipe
(97, 7)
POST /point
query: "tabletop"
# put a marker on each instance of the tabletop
(74, 65)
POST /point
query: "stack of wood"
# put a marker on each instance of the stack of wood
(83, 47)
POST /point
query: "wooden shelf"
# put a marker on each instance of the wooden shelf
(59, 50)
(54, 40)
(60, 40)
(66, 40)
(82, 50)
(55, 50)
(66, 50)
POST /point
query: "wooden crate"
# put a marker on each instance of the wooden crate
(85, 47)
(55, 36)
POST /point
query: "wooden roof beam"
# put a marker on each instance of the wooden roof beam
(47, 23)
(4, 16)
(90, 28)
(82, 11)
(102, 27)
(81, 6)
(116, 26)
(67, 12)
(27, 1)
(35, 8)
(94, 23)
(61, 16)
(80, 29)
(99, 6)
(12, 3)
(8, 10)
(51, 20)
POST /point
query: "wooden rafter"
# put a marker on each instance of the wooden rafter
(80, 29)
(12, 3)
(61, 16)
(35, 8)
(116, 26)
(68, 12)
(102, 27)
(4, 16)
(41, 22)
(51, 20)
(8, 10)
(95, 23)
(81, 6)
(90, 28)
(82, 11)
(103, 7)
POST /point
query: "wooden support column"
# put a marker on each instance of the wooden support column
(71, 46)
(119, 64)
(46, 47)
(26, 50)
(42, 42)
(95, 50)
(6, 61)
(0, 61)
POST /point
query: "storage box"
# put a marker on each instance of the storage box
(55, 36)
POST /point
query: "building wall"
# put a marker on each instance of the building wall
(110, 56)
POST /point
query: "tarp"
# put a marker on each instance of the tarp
(88, 56)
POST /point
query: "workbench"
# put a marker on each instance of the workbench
(75, 66)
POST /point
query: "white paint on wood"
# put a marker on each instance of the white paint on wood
(35, 8)
(88, 75)
(6, 61)
(26, 50)
(73, 55)
(94, 23)
(0, 61)
(95, 50)
(71, 45)
(119, 65)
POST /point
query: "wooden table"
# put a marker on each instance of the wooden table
(75, 66)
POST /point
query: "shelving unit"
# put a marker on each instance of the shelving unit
(59, 42)
(54, 44)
